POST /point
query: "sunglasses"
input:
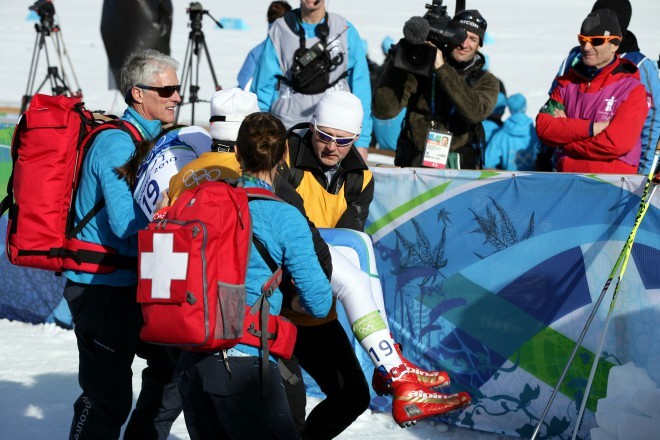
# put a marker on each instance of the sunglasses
(327, 138)
(597, 41)
(163, 92)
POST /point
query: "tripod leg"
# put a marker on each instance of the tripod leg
(187, 61)
(33, 71)
(208, 58)
(65, 53)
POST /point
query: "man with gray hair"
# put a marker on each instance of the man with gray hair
(105, 313)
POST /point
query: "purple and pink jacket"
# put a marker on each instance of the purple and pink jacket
(614, 94)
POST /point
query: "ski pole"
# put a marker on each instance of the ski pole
(622, 256)
(643, 209)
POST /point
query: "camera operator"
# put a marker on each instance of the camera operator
(308, 52)
(449, 98)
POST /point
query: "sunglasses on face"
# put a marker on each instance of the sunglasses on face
(597, 41)
(163, 92)
(327, 138)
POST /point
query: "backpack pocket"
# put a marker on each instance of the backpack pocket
(230, 311)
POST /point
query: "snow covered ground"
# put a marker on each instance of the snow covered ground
(528, 39)
(38, 385)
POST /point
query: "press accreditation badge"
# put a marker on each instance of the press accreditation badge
(436, 150)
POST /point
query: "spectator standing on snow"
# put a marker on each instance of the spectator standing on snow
(275, 10)
(515, 145)
(457, 97)
(597, 110)
(648, 71)
(290, 85)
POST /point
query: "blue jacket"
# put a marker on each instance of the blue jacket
(117, 223)
(250, 65)
(285, 233)
(387, 131)
(649, 76)
(490, 128)
(514, 146)
(265, 80)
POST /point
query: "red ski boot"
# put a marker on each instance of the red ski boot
(412, 401)
(382, 384)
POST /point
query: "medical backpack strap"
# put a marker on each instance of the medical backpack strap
(86, 219)
(91, 256)
(262, 306)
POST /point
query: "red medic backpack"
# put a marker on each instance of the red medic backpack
(191, 275)
(48, 148)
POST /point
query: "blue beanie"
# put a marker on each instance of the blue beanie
(517, 103)
(386, 44)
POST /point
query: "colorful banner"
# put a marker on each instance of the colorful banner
(492, 276)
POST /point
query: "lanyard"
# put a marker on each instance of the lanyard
(137, 125)
(433, 101)
(257, 182)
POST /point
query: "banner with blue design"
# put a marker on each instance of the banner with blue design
(492, 276)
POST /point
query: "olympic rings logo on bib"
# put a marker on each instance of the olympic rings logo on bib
(194, 178)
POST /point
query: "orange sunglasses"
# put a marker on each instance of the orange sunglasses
(597, 41)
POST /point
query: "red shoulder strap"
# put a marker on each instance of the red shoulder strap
(261, 194)
(119, 124)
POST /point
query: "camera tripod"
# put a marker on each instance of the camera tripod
(196, 42)
(47, 28)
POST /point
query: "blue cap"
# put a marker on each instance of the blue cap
(517, 103)
(386, 44)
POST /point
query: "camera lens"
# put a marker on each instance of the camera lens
(417, 56)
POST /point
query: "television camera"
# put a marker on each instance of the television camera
(413, 54)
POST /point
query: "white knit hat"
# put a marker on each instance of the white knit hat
(228, 109)
(339, 110)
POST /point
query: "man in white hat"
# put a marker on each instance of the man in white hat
(336, 188)
(324, 160)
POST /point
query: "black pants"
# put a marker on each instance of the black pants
(107, 322)
(218, 404)
(326, 353)
(159, 403)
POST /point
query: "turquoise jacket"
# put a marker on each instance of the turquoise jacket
(285, 233)
(117, 223)
(513, 147)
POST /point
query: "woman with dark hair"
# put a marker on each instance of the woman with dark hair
(222, 392)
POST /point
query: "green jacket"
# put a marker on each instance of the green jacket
(464, 97)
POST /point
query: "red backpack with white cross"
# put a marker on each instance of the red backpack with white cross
(191, 275)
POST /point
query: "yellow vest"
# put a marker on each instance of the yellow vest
(324, 210)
